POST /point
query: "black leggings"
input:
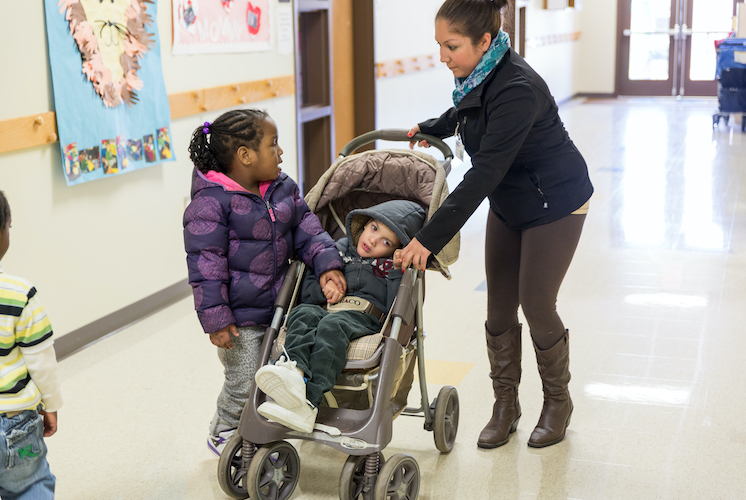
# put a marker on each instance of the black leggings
(526, 268)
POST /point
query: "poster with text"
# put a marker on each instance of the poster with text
(212, 26)
(109, 94)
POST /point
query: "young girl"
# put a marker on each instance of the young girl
(245, 220)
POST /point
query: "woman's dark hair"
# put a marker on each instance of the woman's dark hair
(4, 211)
(472, 18)
(230, 131)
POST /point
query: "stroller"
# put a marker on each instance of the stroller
(357, 414)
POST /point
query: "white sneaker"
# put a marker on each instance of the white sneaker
(283, 383)
(216, 444)
(301, 420)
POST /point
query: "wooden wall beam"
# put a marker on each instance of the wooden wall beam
(37, 130)
(28, 131)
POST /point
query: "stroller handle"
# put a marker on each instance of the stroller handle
(395, 135)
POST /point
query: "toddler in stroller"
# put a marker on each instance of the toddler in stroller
(317, 337)
(356, 415)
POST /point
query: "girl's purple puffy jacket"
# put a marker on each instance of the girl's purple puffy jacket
(238, 246)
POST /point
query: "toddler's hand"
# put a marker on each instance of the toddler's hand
(332, 293)
(397, 258)
(336, 276)
(222, 338)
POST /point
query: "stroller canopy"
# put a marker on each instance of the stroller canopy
(372, 177)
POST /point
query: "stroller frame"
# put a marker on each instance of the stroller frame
(257, 461)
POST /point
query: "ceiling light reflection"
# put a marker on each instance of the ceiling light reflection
(666, 299)
(699, 229)
(659, 395)
(644, 177)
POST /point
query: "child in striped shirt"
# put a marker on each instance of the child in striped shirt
(29, 389)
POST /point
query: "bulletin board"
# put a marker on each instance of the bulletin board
(212, 26)
(111, 105)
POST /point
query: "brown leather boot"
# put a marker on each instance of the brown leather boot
(504, 352)
(554, 368)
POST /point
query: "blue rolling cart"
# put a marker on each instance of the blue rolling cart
(731, 77)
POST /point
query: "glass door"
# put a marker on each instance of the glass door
(666, 47)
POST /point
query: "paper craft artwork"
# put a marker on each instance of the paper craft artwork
(111, 37)
(89, 160)
(72, 164)
(164, 144)
(210, 26)
(134, 150)
(149, 147)
(108, 86)
(109, 157)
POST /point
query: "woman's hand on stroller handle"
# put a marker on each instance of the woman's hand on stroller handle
(414, 254)
(416, 130)
(336, 276)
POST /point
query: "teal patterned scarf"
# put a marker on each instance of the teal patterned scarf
(494, 54)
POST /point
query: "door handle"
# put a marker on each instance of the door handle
(671, 31)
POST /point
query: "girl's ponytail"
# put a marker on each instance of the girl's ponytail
(199, 152)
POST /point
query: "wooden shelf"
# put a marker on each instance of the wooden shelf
(311, 113)
(312, 5)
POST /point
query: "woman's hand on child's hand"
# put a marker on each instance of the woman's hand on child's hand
(332, 293)
(415, 254)
(222, 338)
(416, 130)
(336, 276)
(397, 258)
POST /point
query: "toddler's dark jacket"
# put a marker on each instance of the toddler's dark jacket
(375, 280)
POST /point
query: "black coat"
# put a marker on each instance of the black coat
(522, 157)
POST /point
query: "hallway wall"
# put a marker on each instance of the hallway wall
(405, 30)
(594, 70)
(94, 248)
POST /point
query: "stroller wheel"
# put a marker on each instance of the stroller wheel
(230, 475)
(445, 421)
(352, 479)
(274, 472)
(399, 479)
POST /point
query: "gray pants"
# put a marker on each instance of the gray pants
(239, 367)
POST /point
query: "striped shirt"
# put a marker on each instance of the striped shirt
(24, 329)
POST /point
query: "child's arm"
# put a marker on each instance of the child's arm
(311, 243)
(207, 262)
(33, 334)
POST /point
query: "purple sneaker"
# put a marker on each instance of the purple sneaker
(216, 444)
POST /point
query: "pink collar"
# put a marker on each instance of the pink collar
(232, 185)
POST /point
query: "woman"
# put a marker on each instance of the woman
(538, 187)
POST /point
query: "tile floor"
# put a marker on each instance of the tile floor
(654, 301)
